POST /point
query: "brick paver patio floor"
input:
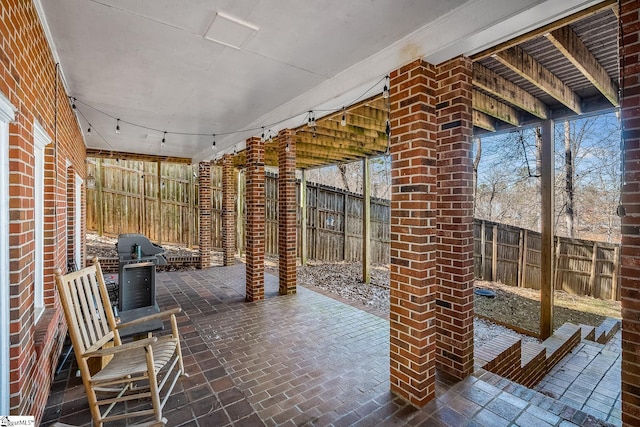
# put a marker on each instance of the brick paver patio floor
(302, 360)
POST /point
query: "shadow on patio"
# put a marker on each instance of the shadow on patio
(301, 360)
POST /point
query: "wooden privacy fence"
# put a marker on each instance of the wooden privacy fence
(334, 223)
(160, 200)
(511, 255)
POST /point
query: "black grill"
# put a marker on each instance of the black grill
(138, 258)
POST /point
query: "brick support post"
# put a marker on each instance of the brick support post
(454, 299)
(204, 201)
(413, 232)
(287, 212)
(629, 43)
(255, 219)
(228, 212)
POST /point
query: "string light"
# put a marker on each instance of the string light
(385, 90)
(262, 136)
(164, 139)
(89, 130)
(287, 149)
(343, 121)
(311, 117)
(213, 144)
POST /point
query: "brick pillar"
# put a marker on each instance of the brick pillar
(454, 265)
(629, 43)
(228, 212)
(204, 201)
(287, 210)
(255, 219)
(413, 233)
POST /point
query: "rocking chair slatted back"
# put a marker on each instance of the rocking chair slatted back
(86, 300)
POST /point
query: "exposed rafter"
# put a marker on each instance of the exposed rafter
(123, 155)
(568, 42)
(509, 92)
(494, 108)
(524, 65)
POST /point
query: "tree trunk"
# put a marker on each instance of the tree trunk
(568, 162)
(343, 174)
(539, 169)
(476, 163)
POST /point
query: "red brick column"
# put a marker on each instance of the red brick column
(413, 232)
(287, 210)
(630, 250)
(204, 200)
(228, 212)
(454, 300)
(255, 219)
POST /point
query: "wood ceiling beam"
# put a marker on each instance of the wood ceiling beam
(528, 68)
(494, 108)
(574, 49)
(483, 121)
(123, 155)
(493, 83)
(538, 32)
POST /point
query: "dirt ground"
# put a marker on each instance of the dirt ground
(517, 307)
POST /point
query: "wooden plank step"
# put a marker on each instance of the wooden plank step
(588, 332)
(606, 330)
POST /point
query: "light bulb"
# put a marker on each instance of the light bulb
(164, 139)
(343, 121)
(89, 131)
(117, 126)
(312, 120)
(385, 90)
(287, 149)
(213, 144)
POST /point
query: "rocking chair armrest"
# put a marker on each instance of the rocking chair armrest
(120, 348)
(159, 315)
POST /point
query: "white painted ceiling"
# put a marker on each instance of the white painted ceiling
(148, 63)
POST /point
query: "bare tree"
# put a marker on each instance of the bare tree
(476, 163)
(569, 178)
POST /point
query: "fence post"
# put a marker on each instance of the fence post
(494, 255)
(345, 221)
(483, 250)
(525, 254)
(160, 224)
(592, 275)
(520, 252)
(99, 197)
(366, 221)
(303, 218)
(615, 287)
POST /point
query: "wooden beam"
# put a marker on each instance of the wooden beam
(494, 108)
(546, 217)
(585, 13)
(498, 86)
(123, 155)
(528, 68)
(568, 42)
(483, 121)
(366, 221)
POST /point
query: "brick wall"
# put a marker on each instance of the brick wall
(630, 227)
(255, 219)
(413, 232)
(204, 200)
(287, 210)
(28, 78)
(454, 303)
(228, 212)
